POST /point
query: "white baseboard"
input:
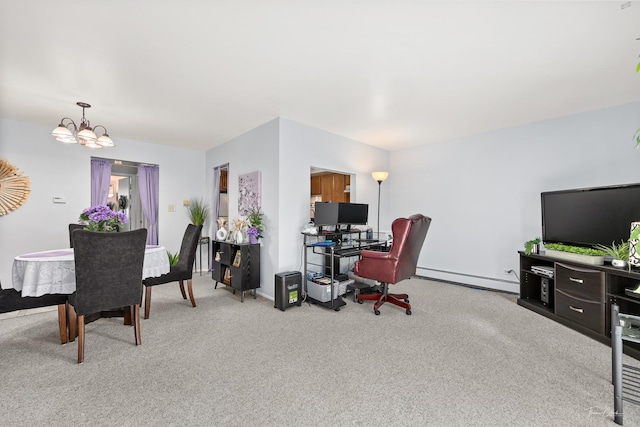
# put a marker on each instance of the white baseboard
(467, 279)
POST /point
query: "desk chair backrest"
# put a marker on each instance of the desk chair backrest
(400, 262)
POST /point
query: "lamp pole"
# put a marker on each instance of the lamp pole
(379, 176)
(378, 229)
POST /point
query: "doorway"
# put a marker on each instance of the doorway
(124, 194)
(125, 197)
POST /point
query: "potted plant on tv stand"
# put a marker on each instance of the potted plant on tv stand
(619, 253)
(532, 246)
(575, 253)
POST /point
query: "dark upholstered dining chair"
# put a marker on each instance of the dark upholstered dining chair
(396, 265)
(72, 228)
(12, 300)
(108, 276)
(180, 272)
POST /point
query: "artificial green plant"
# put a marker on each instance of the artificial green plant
(198, 211)
(528, 246)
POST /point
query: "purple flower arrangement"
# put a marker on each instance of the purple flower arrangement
(102, 218)
(252, 231)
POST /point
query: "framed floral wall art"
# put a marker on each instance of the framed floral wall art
(249, 192)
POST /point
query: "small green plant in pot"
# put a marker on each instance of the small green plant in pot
(619, 253)
(255, 219)
(573, 249)
(198, 212)
(531, 246)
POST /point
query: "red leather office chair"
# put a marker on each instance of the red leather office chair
(397, 264)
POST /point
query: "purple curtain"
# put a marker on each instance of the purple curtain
(100, 180)
(148, 183)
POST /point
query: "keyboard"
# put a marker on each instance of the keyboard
(348, 252)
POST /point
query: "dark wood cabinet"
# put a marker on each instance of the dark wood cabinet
(237, 266)
(224, 184)
(582, 295)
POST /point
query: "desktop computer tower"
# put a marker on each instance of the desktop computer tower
(546, 292)
(288, 290)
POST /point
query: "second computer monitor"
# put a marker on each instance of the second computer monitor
(335, 214)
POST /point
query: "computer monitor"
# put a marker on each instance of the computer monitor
(353, 213)
(326, 214)
(335, 214)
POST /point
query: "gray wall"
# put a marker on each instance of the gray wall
(483, 191)
(56, 169)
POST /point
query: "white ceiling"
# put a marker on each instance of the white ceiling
(390, 73)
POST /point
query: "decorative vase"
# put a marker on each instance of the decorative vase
(619, 263)
(239, 237)
(634, 244)
(253, 239)
(222, 234)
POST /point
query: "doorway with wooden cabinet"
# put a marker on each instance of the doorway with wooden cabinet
(220, 198)
(329, 186)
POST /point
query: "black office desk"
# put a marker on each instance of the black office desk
(345, 247)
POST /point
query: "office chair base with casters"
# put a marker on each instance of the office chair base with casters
(401, 300)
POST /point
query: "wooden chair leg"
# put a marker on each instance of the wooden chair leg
(184, 295)
(136, 323)
(62, 323)
(147, 301)
(190, 289)
(80, 338)
(72, 322)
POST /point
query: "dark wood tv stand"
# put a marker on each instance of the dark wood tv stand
(581, 295)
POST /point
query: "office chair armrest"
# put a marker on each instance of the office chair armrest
(376, 265)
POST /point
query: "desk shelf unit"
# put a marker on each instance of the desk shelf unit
(348, 244)
(582, 295)
(236, 265)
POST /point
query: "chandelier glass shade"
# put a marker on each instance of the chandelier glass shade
(70, 133)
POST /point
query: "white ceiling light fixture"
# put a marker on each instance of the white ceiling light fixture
(69, 133)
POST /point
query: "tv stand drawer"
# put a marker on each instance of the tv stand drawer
(587, 313)
(580, 282)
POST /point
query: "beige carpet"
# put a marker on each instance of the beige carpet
(465, 357)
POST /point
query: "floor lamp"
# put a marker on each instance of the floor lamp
(379, 176)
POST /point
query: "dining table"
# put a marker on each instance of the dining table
(54, 272)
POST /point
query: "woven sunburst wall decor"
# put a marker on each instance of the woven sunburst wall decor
(14, 187)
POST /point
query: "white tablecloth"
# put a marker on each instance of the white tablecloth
(54, 272)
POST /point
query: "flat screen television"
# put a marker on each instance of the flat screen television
(589, 216)
(334, 214)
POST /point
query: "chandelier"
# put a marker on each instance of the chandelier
(69, 133)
